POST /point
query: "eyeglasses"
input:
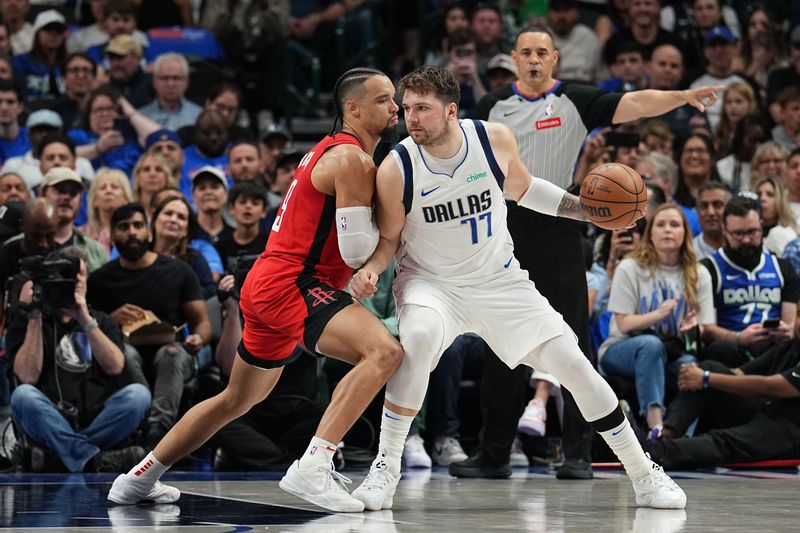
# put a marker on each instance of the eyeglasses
(170, 78)
(740, 234)
(80, 70)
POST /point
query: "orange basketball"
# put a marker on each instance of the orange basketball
(613, 196)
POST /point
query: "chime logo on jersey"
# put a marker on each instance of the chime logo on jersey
(462, 207)
(476, 176)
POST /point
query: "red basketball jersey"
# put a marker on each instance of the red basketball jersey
(304, 232)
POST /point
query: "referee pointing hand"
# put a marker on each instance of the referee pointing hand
(550, 119)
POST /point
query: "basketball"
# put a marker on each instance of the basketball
(613, 196)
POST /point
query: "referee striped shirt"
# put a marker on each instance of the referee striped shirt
(550, 129)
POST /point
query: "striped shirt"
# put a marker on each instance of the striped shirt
(550, 129)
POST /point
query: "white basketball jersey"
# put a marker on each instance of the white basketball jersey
(455, 228)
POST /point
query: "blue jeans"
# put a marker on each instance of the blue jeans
(40, 419)
(643, 358)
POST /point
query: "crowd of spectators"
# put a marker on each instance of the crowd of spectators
(121, 157)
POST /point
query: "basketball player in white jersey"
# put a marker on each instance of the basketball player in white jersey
(441, 211)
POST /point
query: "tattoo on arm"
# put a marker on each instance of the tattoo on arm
(570, 207)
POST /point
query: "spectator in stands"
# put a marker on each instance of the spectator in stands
(110, 189)
(62, 187)
(5, 42)
(734, 169)
(80, 73)
(244, 162)
(284, 171)
(788, 76)
(83, 412)
(107, 141)
(6, 68)
(719, 50)
(769, 160)
(629, 69)
(777, 218)
(661, 171)
(579, 51)
(787, 133)
(58, 150)
(695, 167)
(464, 66)
(791, 179)
(658, 296)
(112, 17)
(211, 143)
(738, 100)
(453, 17)
(14, 14)
(705, 15)
(150, 175)
(167, 144)
(224, 99)
(751, 412)
(125, 72)
(750, 286)
(644, 31)
(13, 187)
(141, 280)
(43, 124)
(10, 222)
(270, 148)
(486, 22)
(762, 49)
(247, 202)
(171, 79)
(13, 138)
(173, 229)
(39, 70)
(657, 137)
(501, 70)
(711, 201)
(210, 193)
(666, 69)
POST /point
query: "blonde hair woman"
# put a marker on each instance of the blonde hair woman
(659, 292)
(738, 100)
(769, 160)
(780, 227)
(110, 190)
(151, 175)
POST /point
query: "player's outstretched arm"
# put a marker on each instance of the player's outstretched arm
(650, 102)
(529, 191)
(391, 216)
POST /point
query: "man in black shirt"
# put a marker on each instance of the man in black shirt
(247, 202)
(750, 413)
(75, 397)
(141, 280)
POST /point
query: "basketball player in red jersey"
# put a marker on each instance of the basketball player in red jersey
(293, 294)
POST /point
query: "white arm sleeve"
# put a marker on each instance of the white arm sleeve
(542, 196)
(357, 234)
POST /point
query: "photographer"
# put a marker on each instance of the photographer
(74, 397)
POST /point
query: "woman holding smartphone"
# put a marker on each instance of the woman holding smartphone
(659, 294)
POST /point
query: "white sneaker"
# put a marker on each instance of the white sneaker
(377, 489)
(322, 486)
(518, 457)
(533, 419)
(128, 490)
(657, 490)
(448, 450)
(414, 454)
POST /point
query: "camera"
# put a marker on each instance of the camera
(54, 281)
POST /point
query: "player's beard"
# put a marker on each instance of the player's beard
(390, 134)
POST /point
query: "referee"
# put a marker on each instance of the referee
(550, 119)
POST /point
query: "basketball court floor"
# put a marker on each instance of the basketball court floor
(532, 500)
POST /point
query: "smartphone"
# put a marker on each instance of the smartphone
(121, 125)
(771, 323)
(621, 138)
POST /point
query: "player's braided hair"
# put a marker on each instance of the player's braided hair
(342, 89)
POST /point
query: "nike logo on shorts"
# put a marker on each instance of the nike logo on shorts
(426, 193)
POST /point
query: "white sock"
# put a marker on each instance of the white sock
(149, 470)
(622, 441)
(319, 452)
(394, 430)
